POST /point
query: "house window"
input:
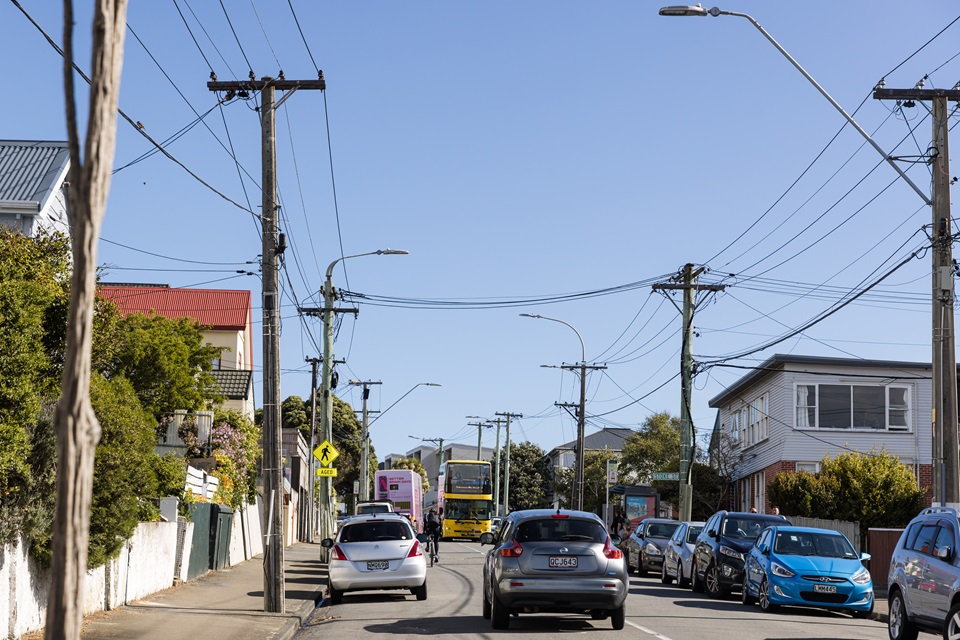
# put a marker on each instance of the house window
(749, 424)
(844, 406)
(809, 467)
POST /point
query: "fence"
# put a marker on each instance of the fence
(849, 529)
(880, 545)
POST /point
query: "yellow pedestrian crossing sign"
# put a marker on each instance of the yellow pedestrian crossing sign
(326, 453)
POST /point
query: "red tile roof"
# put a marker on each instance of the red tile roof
(220, 309)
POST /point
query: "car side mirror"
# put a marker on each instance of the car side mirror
(422, 537)
(944, 553)
(712, 533)
(615, 539)
(866, 556)
(763, 548)
(326, 543)
(486, 538)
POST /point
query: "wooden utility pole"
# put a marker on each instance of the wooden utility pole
(946, 462)
(312, 505)
(364, 474)
(506, 462)
(688, 286)
(273, 593)
(496, 468)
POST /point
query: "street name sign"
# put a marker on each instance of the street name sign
(666, 475)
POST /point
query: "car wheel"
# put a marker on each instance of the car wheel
(336, 596)
(499, 614)
(712, 583)
(695, 584)
(681, 580)
(899, 626)
(763, 596)
(745, 596)
(951, 626)
(619, 617)
(486, 606)
(641, 569)
(421, 591)
(665, 577)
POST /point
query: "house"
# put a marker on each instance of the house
(33, 186)
(792, 410)
(226, 318)
(564, 456)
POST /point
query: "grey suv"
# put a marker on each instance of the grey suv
(924, 579)
(553, 561)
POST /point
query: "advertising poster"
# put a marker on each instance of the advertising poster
(639, 508)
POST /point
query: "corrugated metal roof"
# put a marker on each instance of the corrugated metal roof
(29, 169)
(223, 309)
(609, 438)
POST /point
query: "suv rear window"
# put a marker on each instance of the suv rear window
(374, 531)
(373, 508)
(745, 528)
(560, 530)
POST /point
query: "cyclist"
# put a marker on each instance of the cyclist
(434, 529)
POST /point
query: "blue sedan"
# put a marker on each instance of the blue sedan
(802, 566)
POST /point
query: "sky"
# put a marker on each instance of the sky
(553, 158)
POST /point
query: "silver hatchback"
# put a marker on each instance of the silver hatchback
(553, 561)
(376, 551)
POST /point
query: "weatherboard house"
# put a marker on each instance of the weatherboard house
(792, 410)
(33, 186)
(564, 456)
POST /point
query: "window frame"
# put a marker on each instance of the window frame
(814, 403)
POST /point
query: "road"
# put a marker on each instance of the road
(654, 612)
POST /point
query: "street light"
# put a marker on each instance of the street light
(329, 295)
(581, 414)
(684, 10)
(365, 433)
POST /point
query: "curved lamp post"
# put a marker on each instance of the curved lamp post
(581, 414)
(326, 413)
(685, 10)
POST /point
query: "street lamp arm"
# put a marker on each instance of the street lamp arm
(699, 11)
(583, 349)
(378, 252)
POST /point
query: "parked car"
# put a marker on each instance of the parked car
(717, 565)
(378, 551)
(924, 578)
(803, 566)
(647, 542)
(374, 506)
(678, 554)
(553, 561)
(495, 523)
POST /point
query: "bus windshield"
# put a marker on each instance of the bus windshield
(456, 509)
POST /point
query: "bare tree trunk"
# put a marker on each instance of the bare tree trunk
(78, 430)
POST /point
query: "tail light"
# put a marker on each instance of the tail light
(415, 550)
(513, 551)
(337, 553)
(611, 551)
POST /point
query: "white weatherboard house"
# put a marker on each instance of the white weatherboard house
(33, 187)
(791, 411)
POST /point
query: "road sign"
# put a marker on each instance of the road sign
(326, 453)
(327, 472)
(666, 475)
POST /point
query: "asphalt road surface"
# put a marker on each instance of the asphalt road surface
(654, 611)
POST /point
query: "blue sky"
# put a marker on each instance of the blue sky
(520, 151)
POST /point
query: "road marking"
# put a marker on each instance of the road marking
(656, 635)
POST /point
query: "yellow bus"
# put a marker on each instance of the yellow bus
(465, 498)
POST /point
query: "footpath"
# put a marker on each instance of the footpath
(221, 604)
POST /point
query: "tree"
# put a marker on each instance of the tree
(78, 430)
(295, 414)
(414, 465)
(167, 361)
(529, 476)
(654, 447)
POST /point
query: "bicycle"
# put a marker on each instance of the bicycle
(432, 550)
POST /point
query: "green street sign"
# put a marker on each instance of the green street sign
(666, 475)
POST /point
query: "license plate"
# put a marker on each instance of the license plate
(824, 588)
(379, 565)
(564, 562)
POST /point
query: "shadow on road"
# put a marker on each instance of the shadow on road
(462, 625)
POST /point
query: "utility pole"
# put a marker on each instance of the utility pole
(312, 506)
(479, 426)
(365, 443)
(946, 467)
(581, 416)
(506, 462)
(496, 469)
(273, 593)
(688, 286)
(439, 443)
